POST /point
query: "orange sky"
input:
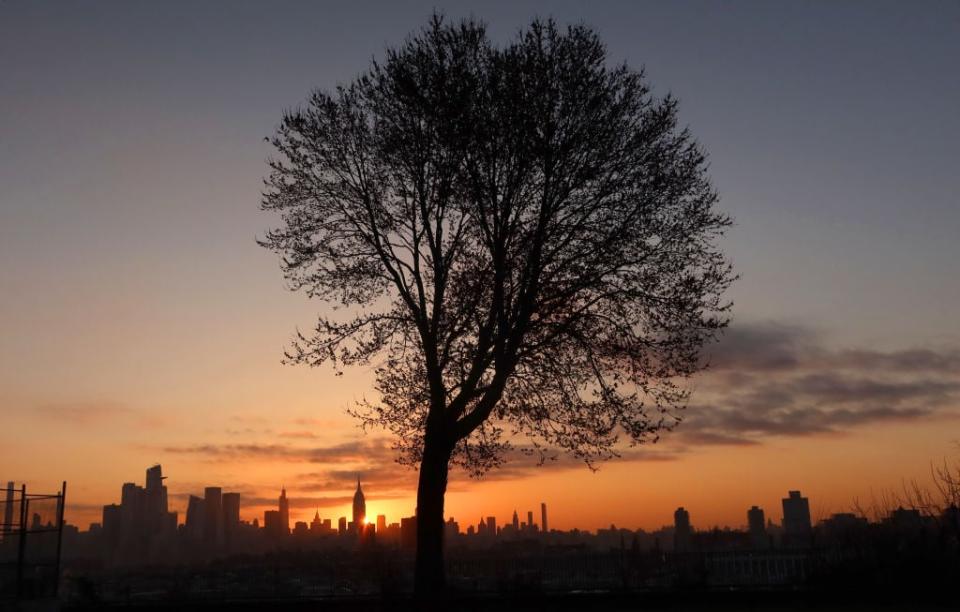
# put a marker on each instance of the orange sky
(254, 436)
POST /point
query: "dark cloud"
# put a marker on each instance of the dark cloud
(761, 348)
(775, 380)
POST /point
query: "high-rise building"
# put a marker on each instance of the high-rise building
(157, 515)
(342, 525)
(112, 524)
(491, 526)
(408, 533)
(530, 524)
(231, 517)
(381, 523)
(155, 495)
(359, 508)
(682, 533)
(451, 529)
(515, 522)
(797, 528)
(284, 510)
(757, 527)
(543, 517)
(316, 525)
(196, 518)
(273, 525)
(132, 511)
(213, 516)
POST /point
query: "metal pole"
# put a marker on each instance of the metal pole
(23, 539)
(61, 504)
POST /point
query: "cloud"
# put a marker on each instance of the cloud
(769, 380)
(299, 434)
(88, 414)
(346, 452)
(764, 381)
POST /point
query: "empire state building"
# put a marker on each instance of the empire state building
(359, 508)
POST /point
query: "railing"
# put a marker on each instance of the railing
(31, 541)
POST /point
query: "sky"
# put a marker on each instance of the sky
(141, 323)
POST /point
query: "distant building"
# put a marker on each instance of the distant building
(381, 523)
(797, 529)
(905, 519)
(112, 521)
(543, 518)
(272, 524)
(408, 533)
(359, 508)
(451, 529)
(342, 525)
(515, 522)
(194, 522)
(284, 513)
(843, 528)
(133, 515)
(681, 530)
(757, 527)
(155, 500)
(231, 517)
(213, 516)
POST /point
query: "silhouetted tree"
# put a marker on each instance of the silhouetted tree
(525, 242)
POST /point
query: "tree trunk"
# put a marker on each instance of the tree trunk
(430, 578)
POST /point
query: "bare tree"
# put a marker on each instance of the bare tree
(524, 243)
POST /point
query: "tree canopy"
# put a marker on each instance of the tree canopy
(521, 239)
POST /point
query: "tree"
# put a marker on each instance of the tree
(522, 241)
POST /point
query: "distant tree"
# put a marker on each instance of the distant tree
(523, 239)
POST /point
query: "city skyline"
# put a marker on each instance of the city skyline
(146, 508)
(143, 324)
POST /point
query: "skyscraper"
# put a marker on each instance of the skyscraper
(543, 517)
(155, 499)
(515, 522)
(796, 520)
(272, 525)
(196, 517)
(231, 517)
(284, 510)
(359, 508)
(213, 516)
(757, 527)
(681, 530)
(112, 524)
(530, 524)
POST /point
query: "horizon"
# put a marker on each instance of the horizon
(255, 514)
(143, 324)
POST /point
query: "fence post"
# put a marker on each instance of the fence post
(61, 505)
(21, 552)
